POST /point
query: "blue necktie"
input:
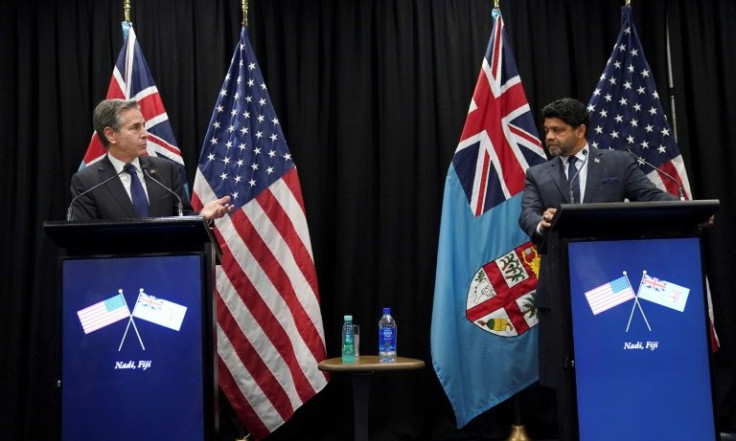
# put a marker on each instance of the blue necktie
(571, 170)
(140, 203)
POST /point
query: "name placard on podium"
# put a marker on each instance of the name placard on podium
(640, 340)
(628, 282)
(137, 316)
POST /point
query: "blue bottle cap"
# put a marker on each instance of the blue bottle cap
(387, 310)
(348, 318)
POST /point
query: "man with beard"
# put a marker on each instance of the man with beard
(577, 173)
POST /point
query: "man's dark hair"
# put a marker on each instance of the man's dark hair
(107, 114)
(570, 110)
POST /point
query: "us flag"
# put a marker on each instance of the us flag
(626, 113)
(499, 140)
(610, 294)
(131, 79)
(270, 334)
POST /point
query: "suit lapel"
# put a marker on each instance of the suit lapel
(115, 188)
(158, 198)
(595, 171)
(557, 174)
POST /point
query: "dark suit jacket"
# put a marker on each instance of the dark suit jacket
(612, 177)
(110, 201)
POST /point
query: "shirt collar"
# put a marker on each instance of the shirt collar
(580, 155)
(118, 164)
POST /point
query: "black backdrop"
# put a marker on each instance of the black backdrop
(372, 96)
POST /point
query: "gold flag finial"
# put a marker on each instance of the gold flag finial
(628, 2)
(126, 10)
(244, 5)
(496, 4)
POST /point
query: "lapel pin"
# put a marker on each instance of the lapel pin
(597, 160)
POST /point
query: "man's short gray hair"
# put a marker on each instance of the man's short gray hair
(107, 114)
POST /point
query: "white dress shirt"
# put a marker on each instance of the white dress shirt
(125, 177)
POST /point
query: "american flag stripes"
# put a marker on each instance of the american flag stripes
(103, 313)
(626, 112)
(610, 294)
(270, 334)
(131, 79)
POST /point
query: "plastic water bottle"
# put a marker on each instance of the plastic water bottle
(348, 342)
(387, 337)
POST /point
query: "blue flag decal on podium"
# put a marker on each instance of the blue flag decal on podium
(484, 338)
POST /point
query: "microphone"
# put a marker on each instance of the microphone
(152, 171)
(69, 215)
(680, 191)
(575, 176)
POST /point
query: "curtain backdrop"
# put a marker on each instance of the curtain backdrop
(372, 97)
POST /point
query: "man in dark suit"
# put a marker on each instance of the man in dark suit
(130, 189)
(592, 176)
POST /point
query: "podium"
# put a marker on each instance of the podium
(138, 337)
(628, 281)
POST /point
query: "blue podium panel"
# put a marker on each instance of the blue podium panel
(640, 340)
(132, 348)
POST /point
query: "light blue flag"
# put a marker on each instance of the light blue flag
(484, 335)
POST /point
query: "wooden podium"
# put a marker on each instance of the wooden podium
(628, 284)
(138, 329)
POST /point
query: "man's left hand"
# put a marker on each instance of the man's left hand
(216, 209)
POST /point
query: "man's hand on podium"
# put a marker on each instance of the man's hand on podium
(709, 223)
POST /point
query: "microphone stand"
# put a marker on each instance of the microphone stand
(179, 204)
(69, 216)
(577, 172)
(680, 191)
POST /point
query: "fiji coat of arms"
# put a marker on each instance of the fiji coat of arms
(501, 295)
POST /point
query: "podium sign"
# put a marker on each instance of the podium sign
(132, 348)
(640, 340)
(137, 323)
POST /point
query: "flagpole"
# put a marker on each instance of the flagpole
(671, 81)
(130, 320)
(126, 24)
(244, 5)
(636, 302)
(518, 431)
(126, 10)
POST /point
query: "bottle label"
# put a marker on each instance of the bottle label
(348, 344)
(388, 340)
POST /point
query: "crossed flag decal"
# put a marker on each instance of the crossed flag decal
(652, 289)
(147, 307)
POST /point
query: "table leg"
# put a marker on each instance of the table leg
(361, 396)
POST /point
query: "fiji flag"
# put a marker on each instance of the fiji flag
(132, 80)
(663, 293)
(484, 338)
(159, 311)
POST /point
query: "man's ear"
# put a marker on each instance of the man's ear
(110, 135)
(581, 130)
